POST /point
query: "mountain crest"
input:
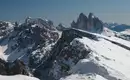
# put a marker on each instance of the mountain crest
(90, 23)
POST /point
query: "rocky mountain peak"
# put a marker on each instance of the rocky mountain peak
(60, 27)
(91, 15)
(90, 23)
(82, 18)
(27, 37)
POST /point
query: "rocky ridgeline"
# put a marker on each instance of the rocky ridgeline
(65, 54)
(36, 44)
(90, 23)
(27, 41)
(13, 68)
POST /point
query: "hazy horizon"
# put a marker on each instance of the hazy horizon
(65, 11)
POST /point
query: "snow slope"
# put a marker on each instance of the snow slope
(126, 32)
(83, 77)
(17, 77)
(107, 61)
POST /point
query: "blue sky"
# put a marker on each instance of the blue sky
(65, 11)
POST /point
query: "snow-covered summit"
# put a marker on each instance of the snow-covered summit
(28, 42)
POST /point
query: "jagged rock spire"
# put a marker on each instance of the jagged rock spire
(82, 17)
(90, 23)
(90, 16)
(73, 24)
(81, 22)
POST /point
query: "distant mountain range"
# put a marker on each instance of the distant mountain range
(117, 27)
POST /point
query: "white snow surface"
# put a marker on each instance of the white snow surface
(126, 32)
(17, 77)
(83, 77)
(108, 32)
(111, 55)
(10, 24)
(106, 60)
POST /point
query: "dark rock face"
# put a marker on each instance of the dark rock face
(98, 25)
(81, 22)
(65, 52)
(73, 24)
(13, 68)
(36, 33)
(29, 43)
(3, 67)
(90, 23)
(68, 57)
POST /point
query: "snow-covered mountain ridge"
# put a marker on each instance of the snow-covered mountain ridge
(104, 55)
(86, 51)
